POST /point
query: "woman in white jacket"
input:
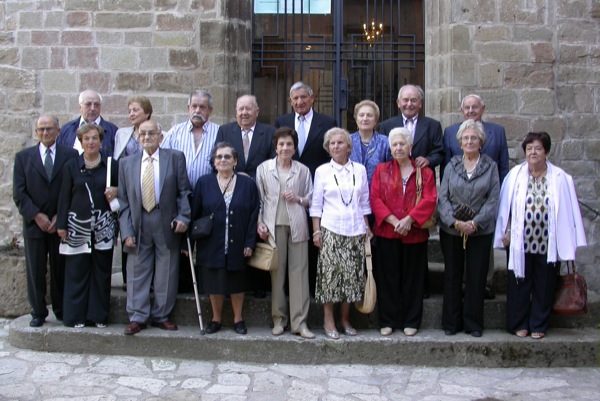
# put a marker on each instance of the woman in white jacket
(537, 200)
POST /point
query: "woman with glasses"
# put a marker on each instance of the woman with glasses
(468, 200)
(233, 201)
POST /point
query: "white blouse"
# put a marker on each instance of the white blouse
(341, 197)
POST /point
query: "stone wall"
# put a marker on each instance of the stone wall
(536, 63)
(50, 50)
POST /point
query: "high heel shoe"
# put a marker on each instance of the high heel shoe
(349, 331)
(333, 334)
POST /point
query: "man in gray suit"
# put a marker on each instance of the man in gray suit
(154, 194)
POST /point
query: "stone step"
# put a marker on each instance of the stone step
(257, 313)
(496, 349)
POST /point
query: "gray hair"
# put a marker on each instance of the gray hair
(89, 91)
(201, 94)
(335, 131)
(400, 132)
(462, 103)
(252, 97)
(474, 125)
(417, 87)
(301, 85)
(53, 117)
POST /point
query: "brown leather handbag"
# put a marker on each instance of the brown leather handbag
(571, 294)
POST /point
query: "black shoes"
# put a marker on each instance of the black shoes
(240, 327)
(37, 322)
(449, 332)
(476, 333)
(489, 293)
(213, 327)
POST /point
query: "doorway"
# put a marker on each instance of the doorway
(347, 51)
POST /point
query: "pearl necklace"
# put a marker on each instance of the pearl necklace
(91, 164)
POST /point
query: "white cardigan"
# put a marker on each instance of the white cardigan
(564, 216)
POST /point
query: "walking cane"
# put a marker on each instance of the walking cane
(195, 286)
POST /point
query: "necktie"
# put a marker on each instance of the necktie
(48, 164)
(410, 125)
(246, 142)
(301, 134)
(148, 197)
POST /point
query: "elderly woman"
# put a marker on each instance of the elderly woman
(221, 257)
(339, 210)
(87, 227)
(468, 201)
(400, 274)
(127, 143)
(369, 148)
(537, 199)
(285, 188)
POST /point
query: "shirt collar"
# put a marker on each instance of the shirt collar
(83, 122)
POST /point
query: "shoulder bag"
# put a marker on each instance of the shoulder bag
(202, 227)
(433, 218)
(367, 304)
(265, 256)
(571, 294)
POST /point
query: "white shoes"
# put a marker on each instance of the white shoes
(385, 331)
(277, 330)
(409, 331)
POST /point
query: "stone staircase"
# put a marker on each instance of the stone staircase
(571, 341)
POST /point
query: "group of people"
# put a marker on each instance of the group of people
(315, 191)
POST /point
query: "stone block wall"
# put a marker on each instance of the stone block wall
(50, 50)
(536, 65)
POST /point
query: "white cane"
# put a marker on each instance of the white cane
(195, 285)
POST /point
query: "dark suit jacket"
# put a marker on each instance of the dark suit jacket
(427, 141)
(243, 217)
(261, 146)
(495, 146)
(314, 155)
(68, 134)
(32, 192)
(174, 196)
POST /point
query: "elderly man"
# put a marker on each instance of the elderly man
(253, 142)
(495, 146)
(310, 126)
(90, 107)
(428, 149)
(154, 192)
(37, 178)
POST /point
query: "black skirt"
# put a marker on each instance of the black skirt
(220, 281)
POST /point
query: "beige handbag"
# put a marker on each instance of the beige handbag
(265, 256)
(367, 305)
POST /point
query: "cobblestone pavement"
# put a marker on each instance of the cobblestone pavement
(32, 375)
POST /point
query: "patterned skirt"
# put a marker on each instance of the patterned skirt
(340, 270)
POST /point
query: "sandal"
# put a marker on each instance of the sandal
(521, 333)
(537, 336)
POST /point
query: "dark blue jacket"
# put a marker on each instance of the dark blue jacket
(68, 134)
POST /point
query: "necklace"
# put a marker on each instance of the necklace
(91, 164)
(465, 162)
(222, 187)
(538, 175)
(340, 190)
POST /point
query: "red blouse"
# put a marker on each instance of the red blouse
(387, 198)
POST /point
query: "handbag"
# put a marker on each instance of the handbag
(202, 227)
(432, 220)
(367, 304)
(265, 256)
(464, 213)
(571, 294)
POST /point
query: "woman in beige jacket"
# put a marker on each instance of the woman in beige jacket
(285, 188)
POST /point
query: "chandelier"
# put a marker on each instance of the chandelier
(373, 31)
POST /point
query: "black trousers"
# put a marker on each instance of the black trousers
(529, 300)
(467, 314)
(399, 275)
(37, 253)
(87, 287)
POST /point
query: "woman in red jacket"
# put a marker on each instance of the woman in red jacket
(398, 218)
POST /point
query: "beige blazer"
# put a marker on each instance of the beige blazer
(299, 182)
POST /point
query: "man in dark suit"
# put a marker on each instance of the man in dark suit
(90, 107)
(314, 126)
(154, 194)
(495, 146)
(36, 185)
(253, 141)
(428, 148)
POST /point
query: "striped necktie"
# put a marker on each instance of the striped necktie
(148, 196)
(301, 134)
(48, 165)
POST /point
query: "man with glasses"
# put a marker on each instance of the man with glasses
(195, 138)
(154, 192)
(495, 146)
(90, 107)
(37, 178)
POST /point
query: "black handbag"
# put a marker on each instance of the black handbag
(202, 227)
(464, 213)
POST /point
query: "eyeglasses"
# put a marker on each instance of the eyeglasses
(90, 104)
(470, 139)
(148, 134)
(226, 157)
(41, 130)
